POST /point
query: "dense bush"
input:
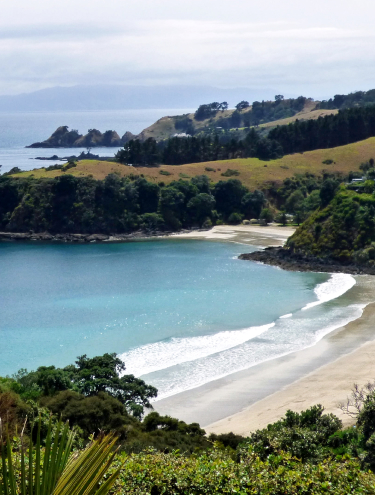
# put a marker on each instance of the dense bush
(216, 472)
(119, 205)
(342, 229)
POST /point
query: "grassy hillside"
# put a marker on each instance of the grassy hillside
(306, 114)
(253, 173)
(166, 126)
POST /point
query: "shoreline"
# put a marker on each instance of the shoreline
(328, 384)
(284, 259)
(244, 234)
(323, 373)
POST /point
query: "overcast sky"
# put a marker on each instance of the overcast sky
(314, 48)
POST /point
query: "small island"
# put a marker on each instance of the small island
(65, 138)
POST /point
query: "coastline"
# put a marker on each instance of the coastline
(245, 234)
(323, 373)
(329, 385)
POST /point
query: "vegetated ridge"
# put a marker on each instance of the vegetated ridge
(213, 117)
(253, 173)
(217, 118)
(338, 236)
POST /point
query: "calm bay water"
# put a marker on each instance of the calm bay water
(180, 313)
(19, 129)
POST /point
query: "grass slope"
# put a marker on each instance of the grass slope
(253, 173)
(165, 127)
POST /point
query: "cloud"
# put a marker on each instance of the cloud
(228, 54)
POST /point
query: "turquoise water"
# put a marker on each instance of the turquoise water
(180, 312)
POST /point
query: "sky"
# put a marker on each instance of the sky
(315, 48)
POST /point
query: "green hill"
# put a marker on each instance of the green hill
(266, 114)
(342, 230)
(252, 172)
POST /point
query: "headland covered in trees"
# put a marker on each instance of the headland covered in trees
(216, 119)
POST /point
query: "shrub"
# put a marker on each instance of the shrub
(230, 173)
(266, 215)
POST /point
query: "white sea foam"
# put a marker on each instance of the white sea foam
(199, 360)
(336, 286)
(197, 373)
(161, 355)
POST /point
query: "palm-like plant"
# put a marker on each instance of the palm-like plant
(53, 470)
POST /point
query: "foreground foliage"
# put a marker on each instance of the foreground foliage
(53, 470)
(305, 452)
(93, 397)
(216, 472)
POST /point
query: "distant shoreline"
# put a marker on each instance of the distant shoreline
(245, 234)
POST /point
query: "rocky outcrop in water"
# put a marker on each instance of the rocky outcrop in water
(65, 138)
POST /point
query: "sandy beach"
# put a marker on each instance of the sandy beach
(321, 374)
(255, 235)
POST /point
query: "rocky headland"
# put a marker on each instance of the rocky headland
(65, 138)
(288, 260)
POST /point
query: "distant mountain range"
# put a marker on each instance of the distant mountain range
(111, 97)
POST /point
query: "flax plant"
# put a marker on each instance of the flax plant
(54, 469)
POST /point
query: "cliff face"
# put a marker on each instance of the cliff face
(63, 138)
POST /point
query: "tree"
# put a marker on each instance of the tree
(236, 119)
(102, 374)
(294, 202)
(242, 105)
(327, 191)
(228, 196)
(279, 98)
(201, 207)
(89, 377)
(209, 110)
(252, 204)
(298, 217)
(266, 215)
(92, 414)
(282, 218)
(171, 206)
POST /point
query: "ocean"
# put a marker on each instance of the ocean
(180, 313)
(19, 129)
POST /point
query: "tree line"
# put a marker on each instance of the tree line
(180, 150)
(348, 126)
(68, 204)
(356, 99)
